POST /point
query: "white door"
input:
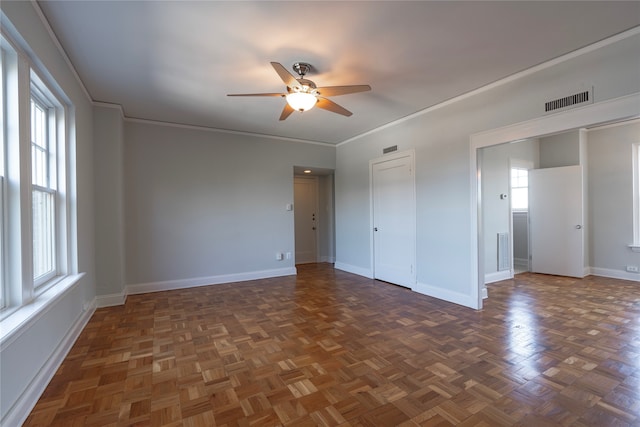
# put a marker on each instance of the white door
(305, 206)
(556, 221)
(394, 229)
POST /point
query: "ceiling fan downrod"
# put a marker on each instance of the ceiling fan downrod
(301, 68)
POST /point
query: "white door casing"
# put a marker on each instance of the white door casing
(393, 219)
(556, 221)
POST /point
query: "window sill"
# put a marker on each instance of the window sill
(22, 317)
(634, 248)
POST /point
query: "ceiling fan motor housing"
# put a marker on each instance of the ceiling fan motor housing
(308, 83)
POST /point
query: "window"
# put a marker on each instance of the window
(35, 231)
(43, 191)
(636, 197)
(2, 176)
(519, 189)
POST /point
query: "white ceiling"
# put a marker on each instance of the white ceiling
(175, 61)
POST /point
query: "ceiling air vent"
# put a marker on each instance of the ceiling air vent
(390, 149)
(571, 101)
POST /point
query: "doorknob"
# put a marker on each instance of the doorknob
(375, 228)
(313, 228)
(578, 227)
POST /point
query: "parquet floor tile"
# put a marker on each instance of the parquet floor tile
(328, 348)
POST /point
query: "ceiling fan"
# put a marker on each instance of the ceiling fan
(303, 94)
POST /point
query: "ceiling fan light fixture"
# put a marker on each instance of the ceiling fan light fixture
(301, 101)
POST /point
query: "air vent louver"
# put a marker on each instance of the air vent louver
(568, 101)
(390, 149)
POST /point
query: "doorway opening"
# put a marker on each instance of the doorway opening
(519, 182)
(609, 111)
(314, 215)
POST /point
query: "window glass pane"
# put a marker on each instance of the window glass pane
(43, 203)
(519, 199)
(43, 233)
(39, 145)
(519, 189)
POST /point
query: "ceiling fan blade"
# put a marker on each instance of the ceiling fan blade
(255, 94)
(329, 105)
(286, 111)
(288, 78)
(342, 90)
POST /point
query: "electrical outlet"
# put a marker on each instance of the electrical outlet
(278, 256)
(632, 268)
(288, 255)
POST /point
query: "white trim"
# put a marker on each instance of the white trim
(118, 107)
(621, 108)
(615, 274)
(576, 53)
(143, 288)
(111, 300)
(365, 272)
(28, 399)
(498, 276)
(521, 263)
(613, 125)
(443, 294)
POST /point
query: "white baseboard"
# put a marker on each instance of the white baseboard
(498, 276)
(143, 288)
(354, 269)
(614, 274)
(521, 263)
(445, 294)
(485, 293)
(111, 299)
(17, 415)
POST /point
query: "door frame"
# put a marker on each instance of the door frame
(617, 109)
(394, 156)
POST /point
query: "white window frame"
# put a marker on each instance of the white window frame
(635, 246)
(23, 295)
(2, 174)
(43, 101)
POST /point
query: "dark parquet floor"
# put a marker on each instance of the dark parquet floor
(328, 348)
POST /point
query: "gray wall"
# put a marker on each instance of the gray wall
(441, 141)
(610, 175)
(560, 150)
(108, 131)
(202, 203)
